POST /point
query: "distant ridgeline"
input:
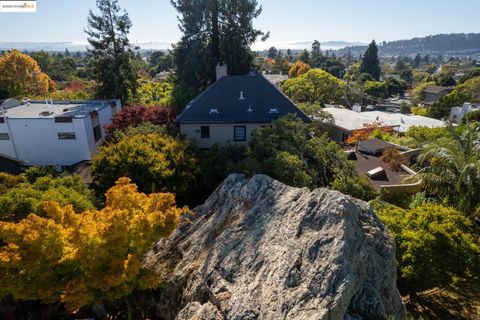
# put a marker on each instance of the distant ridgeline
(458, 44)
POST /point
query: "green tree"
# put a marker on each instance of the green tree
(155, 162)
(22, 198)
(304, 56)
(95, 257)
(376, 88)
(301, 155)
(315, 86)
(435, 245)
(111, 53)
(453, 170)
(370, 62)
(214, 31)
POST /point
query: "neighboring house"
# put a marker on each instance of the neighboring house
(276, 79)
(390, 183)
(59, 133)
(346, 121)
(435, 93)
(232, 108)
(457, 113)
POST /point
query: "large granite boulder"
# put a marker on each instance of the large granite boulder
(259, 249)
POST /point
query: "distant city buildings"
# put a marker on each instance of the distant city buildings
(59, 133)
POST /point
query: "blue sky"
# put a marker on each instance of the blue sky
(289, 21)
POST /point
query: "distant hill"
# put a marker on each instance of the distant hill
(455, 44)
(71, 46)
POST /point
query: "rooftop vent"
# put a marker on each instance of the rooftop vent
(45, 113)
(250, 109)
(241, 96)
(273, 110)
(213, 111)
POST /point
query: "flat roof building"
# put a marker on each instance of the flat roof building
(59, 133)
(347, 121)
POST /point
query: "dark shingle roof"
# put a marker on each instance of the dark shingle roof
(437, 89)
(221, 103)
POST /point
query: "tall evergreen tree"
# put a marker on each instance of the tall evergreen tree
(316, 56)
(111, 53)
(370, 62)
(214, 31)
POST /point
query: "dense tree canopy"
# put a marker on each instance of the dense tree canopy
(214, 31)
(19, 197)
(453, 169)
(111, 52)
(79, 259)
(293, 152)
(155, 162)
(315, 86)
(435, 245)
(21, 76)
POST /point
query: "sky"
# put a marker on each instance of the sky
(289, 21)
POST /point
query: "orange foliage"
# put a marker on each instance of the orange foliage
(367, 131)
(298, 69)
(21, 75)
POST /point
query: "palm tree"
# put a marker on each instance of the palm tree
(453, 168)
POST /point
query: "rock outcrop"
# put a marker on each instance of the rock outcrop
(258, 249)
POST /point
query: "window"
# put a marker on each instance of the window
(205, 132)
(4, 136)
(63, 119)
(97, 130)
(66, 136)
(239, 133)
(97, 133)
(113, 105)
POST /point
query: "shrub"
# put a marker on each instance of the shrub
(133, 116)
(23, 197)
(435, 245)
(155, 162)
(82, 259)
(393, 158)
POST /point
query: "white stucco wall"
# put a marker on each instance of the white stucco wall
(6, 146)
(219, 133)
(36, 140)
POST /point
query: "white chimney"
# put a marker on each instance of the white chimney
(466, 107)
(241, 96)
(357, 108)
(221, 70)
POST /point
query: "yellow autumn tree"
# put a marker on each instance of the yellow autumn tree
(82, 259)
(298, 69)
(21, 75)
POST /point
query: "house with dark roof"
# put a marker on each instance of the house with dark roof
(435, 93)
(232, 108)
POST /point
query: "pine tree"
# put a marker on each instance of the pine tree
(316, 56)
(214, 31)
(111, 51)
(370, 62)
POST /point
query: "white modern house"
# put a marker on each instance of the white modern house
(347, 121)
(457, 113)
(59, 133)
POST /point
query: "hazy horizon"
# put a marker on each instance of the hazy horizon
(288, 22)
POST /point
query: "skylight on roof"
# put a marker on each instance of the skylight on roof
(273, 110)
